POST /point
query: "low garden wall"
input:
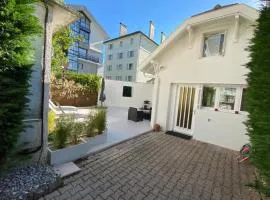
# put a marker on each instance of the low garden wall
(82, 99)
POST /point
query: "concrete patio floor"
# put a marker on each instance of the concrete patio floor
(159, 166)
(119, 129)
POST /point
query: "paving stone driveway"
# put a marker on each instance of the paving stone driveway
(160, 166)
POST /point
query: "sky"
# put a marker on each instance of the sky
(167, 15)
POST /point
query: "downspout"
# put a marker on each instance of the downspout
(43, 77)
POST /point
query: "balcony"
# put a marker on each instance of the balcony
(89, 57)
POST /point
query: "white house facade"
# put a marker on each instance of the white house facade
(200, 76)
(124, 54)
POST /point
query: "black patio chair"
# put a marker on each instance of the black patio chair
(135, 115)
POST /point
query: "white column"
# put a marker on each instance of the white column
(155, 101)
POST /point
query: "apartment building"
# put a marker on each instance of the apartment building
(86, 56)
(124, 54)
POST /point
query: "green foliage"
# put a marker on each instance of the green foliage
(90, 126)
(258, 100)
(69, 131)
(18, 26)
(77, 129)
(51, 121)
(62, 41)
(100, 120)
(91, 82)
(61, 133)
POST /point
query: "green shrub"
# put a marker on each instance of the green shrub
(258, 101)
(91, 82)
(61, 133)
(77, 130)
(100, 120)
(18, 27)
(90, 127)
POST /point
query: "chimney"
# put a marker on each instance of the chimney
(151, 30)
(162, 38)
(123, 29)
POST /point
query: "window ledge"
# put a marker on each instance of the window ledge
(223, 111)
(209, 57)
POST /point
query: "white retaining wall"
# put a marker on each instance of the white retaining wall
(114, 94)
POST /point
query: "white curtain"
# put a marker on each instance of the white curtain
(212, 45)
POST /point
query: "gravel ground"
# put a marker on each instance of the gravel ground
(24, 183)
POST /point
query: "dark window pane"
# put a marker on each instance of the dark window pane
(127, 90)
(243, 101)
(208, 99)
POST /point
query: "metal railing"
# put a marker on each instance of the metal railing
(89, 57)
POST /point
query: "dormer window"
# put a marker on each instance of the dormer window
(213, 44)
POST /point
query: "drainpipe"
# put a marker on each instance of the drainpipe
(43, 77)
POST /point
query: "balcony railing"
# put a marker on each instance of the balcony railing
(92, 58)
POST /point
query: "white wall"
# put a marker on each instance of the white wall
(114, 91)
(220, 128)
(143, 54)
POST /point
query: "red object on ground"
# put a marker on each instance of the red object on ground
(156, 128)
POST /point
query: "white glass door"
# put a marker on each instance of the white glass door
(185, 108)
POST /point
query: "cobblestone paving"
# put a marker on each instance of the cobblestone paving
(159, 166)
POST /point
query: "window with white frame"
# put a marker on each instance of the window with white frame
(213, 44)
(129, 78)
(130, 54)
(131, 40)
(110, 46)
(120, 55)
(108, 77)
(121, 43)
(130, 66)
(118, 78)
(109, 67)
(227, 98)
(110, 57)
(119, 66)
(223, 98)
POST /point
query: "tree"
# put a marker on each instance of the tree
(258, 100)
(17, 26)
(62, 41)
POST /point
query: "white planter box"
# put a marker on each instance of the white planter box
(68, 154)
(98, 139)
